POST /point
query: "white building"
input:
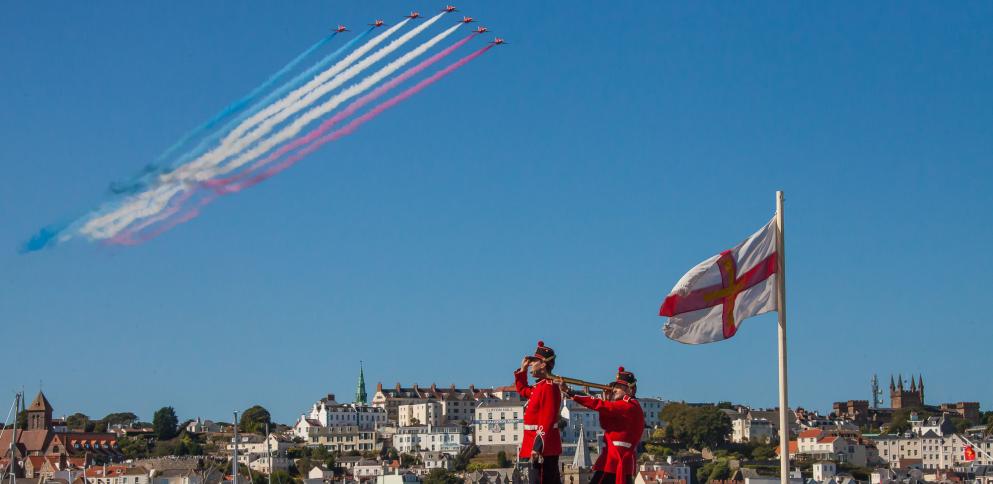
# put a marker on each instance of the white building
(436, 460)
(398, 479)
(368, 468)
(329, 413)
(931, 450)
(427, 413)
(320, 472)
(447, 439)
(267, 465)
(344, 439)
(675, 470)
(199, 426)
(579, 418)
(752, 430)
(652, 407)
(824, 470)
(499, 426)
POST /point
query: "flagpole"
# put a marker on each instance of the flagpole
(784, 424)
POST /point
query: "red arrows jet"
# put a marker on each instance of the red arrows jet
(378, 23)
(481, 29)
(341, 28)
(498, 41)
(449, 8)
(467, 20)
(413, 15)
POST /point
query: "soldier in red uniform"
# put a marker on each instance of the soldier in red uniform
(623, 422)
(542, 443)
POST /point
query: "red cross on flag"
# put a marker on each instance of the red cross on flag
(709, 303)
(970, 453)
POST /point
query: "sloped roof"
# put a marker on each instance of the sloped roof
(40, 403)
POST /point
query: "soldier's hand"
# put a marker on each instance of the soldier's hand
(535, 457)
(525, 363)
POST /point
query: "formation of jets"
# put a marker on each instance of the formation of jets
(415, 14)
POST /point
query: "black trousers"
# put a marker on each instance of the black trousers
(547, 472)
(600, 477)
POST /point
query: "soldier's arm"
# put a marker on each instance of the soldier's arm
(521, 382)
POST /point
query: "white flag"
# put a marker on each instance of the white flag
(709, 303)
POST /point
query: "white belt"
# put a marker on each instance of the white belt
(618, 443)
(539, 428)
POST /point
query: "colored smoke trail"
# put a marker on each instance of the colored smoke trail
(208, 164)
(233, 141)
(219, 184)
(150, 172)
(107, 223)
(330, 105)
(244, 101)
(130, 237)
(134, 209)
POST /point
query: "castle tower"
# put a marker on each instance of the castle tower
(920, 387)
(39, 413)
(876, 392)
(360, 395)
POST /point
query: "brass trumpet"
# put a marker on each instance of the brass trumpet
(580, 383)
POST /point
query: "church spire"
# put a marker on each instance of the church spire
(360, 395)
(581, 459)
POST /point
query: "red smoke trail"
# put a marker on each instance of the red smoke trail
(223, 185)
(355, 123)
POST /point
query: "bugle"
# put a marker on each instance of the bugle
(580, 383)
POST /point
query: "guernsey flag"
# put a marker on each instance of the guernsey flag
(709, 303)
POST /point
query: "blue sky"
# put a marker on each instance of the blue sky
(553, 189)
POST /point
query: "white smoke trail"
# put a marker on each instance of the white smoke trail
(231, 142)
(298, 124)
(144, 204)
(221, 153)
(319, 79)
(154, 200)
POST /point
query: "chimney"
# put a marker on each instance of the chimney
(434, 388)
(379, 387)
(398, 387)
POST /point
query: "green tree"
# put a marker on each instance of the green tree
(502, 460)
(763, 452)
(134, 448)
(716, 469)
(442, 476)
(78, 421)
(254, 420)
(696, 427)
(123, 419)
(164, 423)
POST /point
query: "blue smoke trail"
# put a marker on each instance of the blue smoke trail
(237, 105)
(141, 182)
(43, 238)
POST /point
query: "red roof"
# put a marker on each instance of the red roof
(810, 434)
(828, 439)
(793, 447)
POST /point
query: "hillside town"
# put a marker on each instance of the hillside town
(448, 434)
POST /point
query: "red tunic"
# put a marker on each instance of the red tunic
(541, 415)
(623, 422)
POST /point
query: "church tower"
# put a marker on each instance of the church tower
(39, 413)
(360, 394)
